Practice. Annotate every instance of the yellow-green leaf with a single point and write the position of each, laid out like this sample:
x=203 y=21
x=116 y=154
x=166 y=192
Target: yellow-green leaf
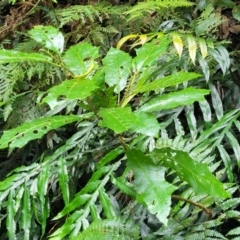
x=203 y=47
x=192 y=47
x=177 y=41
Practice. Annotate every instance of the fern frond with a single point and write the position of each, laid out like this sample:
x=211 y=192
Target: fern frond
x=110 y=229
x=143 y=8
x=78 y=12
x=235 y=231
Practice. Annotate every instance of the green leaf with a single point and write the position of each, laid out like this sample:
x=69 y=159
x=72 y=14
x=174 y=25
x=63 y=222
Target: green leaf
x=146 y=123
x=216 y=100
x=175 y=99
x=78 y=201
x=107 y=229
x=117 y=69
x=42 y=186
x=124 y=186
x=110 y=156
x=106 y=204
x=196 y=174
x=10 y=221
x=222 y=57
x=152 y=189
x=10 y=56
x=236 y=12
x=63 y=179
x=49 y=37
x=26 y=213
x=117 y=119
x=168 y=81
x=225 y=3
x=227 y=161
x=234 y=145
x=70 y=89
x=20 y=136
x=79 y=58
x=150 y=52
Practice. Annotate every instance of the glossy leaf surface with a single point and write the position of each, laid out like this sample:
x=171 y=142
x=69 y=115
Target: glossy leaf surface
x=168 y=81
x=175 y=99
x=196 y=174
x=20 y=136
x=117 y=69
x=9 y=56
x=152 y=189
x=70 y=89
x=79 y=58
x=117 y=119
x=146 y=124
x=48 y=36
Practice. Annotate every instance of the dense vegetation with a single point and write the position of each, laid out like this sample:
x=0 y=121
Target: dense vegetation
x=119 y=120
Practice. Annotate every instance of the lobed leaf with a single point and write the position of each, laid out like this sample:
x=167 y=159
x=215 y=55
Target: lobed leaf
x=48 y=36
x=20 y=136
x=150 y=52
x=146 y=124
x=117 y=65
x=79 y=58
x=10 y=56
x=117 y=119
x=195 y=173
x=150 y=185
x=70 y=89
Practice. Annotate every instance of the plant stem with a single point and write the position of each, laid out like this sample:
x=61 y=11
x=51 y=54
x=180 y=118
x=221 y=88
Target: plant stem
x=206 y=210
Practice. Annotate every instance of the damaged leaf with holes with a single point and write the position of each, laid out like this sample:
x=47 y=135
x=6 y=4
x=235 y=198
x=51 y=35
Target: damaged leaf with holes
x=20 y=136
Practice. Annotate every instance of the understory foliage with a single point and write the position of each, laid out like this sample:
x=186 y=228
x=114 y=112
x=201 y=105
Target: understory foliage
x=116 y=128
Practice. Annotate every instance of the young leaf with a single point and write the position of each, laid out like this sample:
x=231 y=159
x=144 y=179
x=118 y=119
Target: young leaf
x=195 y=173
x=203 y=47
x=79 y=58
x=117 y=119
x=177 y=41
x=192 y=47
x=175 y=99
x=49 y=37
x=117 y=69
x=20 y=136
x=152 y=189
x=171 y=80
